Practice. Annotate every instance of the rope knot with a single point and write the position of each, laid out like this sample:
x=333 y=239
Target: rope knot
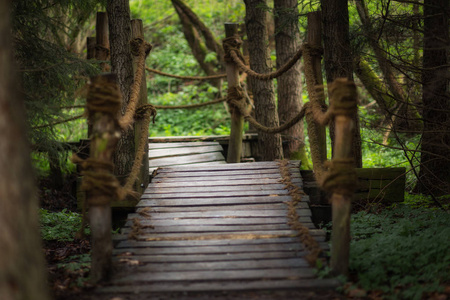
x=343 y=97
x=340 y=177
x=236 y=98
x=144 y=110
x=105 y=96
x=138 y=45
x=232 y=44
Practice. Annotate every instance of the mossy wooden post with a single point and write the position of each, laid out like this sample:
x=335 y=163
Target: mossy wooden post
x=237 y=120
x=105 y=135
x=137 y=31
x=101 y=34
x=341 y=198
x=314 y=40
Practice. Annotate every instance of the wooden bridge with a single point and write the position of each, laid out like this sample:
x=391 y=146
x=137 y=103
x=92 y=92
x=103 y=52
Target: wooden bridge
x=215 y=227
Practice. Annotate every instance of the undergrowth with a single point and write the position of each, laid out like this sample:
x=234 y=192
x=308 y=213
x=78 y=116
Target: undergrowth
x=402 y=252
x=60 y=226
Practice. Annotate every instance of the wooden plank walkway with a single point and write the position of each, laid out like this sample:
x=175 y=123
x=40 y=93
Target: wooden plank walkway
x=184 y=153
x=221 y=227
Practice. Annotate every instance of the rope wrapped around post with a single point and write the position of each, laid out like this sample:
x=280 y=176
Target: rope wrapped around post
x=102 y=107
x=340 y=174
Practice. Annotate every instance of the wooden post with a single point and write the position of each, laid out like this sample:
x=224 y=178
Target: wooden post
x=90 y=45
x=137 y=31
x=341 y=204
x=102 y=47
x=105 y=134
x=314 y=39
x=237 y=120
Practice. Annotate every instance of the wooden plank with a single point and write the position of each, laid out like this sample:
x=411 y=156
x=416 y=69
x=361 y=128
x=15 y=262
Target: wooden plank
x=201 y=243
x=215 y=222
x=166 y=152
x=155 y=146
x=171 y=173
x=232 y=167
x=212 y=257
x=217 y=236
x=228 y=214
x=232 y=219
x=188 y=209
x=179 y=233
x=216 y=194
x=223 y=275
x=219 y=201
x=218 y=177
x=284 y=284
x=209 y=228
x=207 y=189
x=227 y=250
x=229 y=265
x=188 y=159
x=231 y=182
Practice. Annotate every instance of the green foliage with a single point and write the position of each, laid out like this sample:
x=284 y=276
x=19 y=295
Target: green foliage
x=49 y=73
x=403 y=251
x=77 y=266
x=60 y=226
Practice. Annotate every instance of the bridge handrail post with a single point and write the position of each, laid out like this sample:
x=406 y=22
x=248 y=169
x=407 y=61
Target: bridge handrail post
x=237 y=120
x=341 y=179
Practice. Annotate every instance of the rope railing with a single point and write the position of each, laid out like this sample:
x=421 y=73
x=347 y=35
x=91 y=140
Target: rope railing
x=139 y=48
x=190 y=106
x=231 y=46
x=186 y=77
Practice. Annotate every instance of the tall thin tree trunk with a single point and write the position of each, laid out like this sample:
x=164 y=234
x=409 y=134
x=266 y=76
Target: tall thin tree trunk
x=22 y=265
x=435 y=158
x=287 y=42
x=337 y=55
x=122 y=65
x=269 y=145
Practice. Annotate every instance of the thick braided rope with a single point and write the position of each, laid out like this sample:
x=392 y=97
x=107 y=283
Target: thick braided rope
x=186 y=77
x=311 y=245
x=237 y=58
x=146 y=112
x=140 y=48
x=236 y=99
x=188 y=106
x=59 y=122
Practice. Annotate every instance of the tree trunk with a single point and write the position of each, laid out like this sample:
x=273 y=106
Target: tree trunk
x=287 y=42
x=22 y=265
x=122 y=65
x=435 y=158
x=269 y=145
x=337 y=55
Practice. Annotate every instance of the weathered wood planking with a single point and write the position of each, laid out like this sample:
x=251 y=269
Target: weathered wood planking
x=217 y=227
x=189 y=153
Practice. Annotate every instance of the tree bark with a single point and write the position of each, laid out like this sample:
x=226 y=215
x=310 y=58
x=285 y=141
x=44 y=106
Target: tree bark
x=287 y=42
x=338 y=57
x=435 y=158
x=122 y=65
x=22 y=264
x=269 y=145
